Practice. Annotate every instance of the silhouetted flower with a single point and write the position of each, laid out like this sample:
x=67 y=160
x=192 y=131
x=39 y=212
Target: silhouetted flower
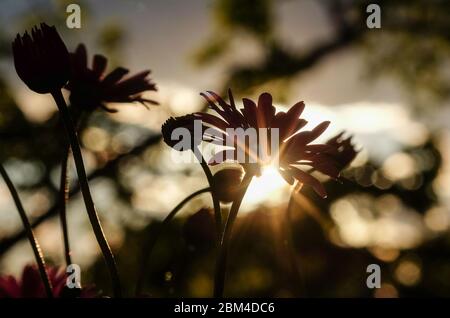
x=42 y=60
x=343 y=151
x=294 y=146
x=226 y=183
x=173 y=123
x=30 y=285
x=91 y=88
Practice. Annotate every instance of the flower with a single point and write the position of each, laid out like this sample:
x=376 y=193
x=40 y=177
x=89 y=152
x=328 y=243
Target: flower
x=343 y=151
x=226 y=183
x=91 y=88
x=187 y=123
x=41 y=60
x=295 y=150
x=30 y=285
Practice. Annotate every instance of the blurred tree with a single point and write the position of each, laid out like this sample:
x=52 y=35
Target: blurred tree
x=111 y=38
x=412 y=44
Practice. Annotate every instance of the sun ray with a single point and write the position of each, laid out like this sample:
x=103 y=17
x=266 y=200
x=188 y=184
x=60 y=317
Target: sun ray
x=265 y=189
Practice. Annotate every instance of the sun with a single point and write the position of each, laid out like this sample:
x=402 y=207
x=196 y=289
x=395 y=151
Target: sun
x=267 y=188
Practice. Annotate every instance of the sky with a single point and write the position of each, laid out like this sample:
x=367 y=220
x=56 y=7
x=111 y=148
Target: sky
x=163 y=36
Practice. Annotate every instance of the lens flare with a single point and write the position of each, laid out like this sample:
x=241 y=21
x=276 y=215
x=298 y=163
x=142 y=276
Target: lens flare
x=267 y=188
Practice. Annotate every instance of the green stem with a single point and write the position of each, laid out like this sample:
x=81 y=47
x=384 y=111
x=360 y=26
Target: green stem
x=63 y=198
x=155 y=235
x=216 y=202
x=221 y=262
x=33 y=241
x=84 y=186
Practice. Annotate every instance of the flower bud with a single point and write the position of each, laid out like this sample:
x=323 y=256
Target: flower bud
x=42 y=60
x=226 y=183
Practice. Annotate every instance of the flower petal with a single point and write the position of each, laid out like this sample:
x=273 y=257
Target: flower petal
x=32 y=285
x=99 y=65
x=308 y=179
x=9 y=287
x=250 y=112
x=266 y=111
x=80 y=57
x=116 y=75
x=212 y=120
x=305 y=137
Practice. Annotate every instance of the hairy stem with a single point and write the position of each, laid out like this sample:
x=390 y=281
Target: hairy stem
x=221 y=262
x=155 y=235
x=64 y=190
x=63 y=198
x=33 y=241
x=92 y=213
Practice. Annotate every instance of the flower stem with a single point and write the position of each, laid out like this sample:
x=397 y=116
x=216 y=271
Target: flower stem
x=92 y=213
x=33 y=241
x=216 y=203
x=221 y=262
x=64 y=190
x=63 y=198
x=155 y=235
